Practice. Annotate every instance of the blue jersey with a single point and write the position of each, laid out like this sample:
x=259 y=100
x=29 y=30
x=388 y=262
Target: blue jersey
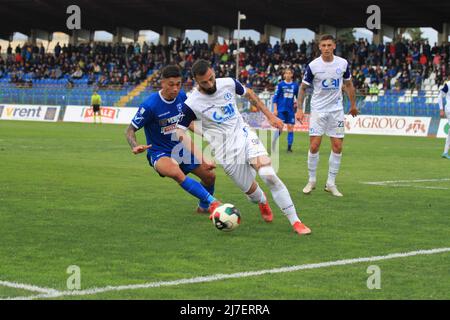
x=285 y=96
x=160 y=118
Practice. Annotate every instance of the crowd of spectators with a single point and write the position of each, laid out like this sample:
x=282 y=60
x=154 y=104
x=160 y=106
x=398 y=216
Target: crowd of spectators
x=398 y=65
x=100 y=64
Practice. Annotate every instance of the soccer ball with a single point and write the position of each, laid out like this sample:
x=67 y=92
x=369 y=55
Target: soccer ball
x=226 y=217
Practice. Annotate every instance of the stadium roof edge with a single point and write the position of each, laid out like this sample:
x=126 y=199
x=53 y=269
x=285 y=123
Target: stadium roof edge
x=50 y=15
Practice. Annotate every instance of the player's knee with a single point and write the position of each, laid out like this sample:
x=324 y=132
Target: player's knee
x=269 y=176
x=337 y=147
x=209 y=179
x=314 y=148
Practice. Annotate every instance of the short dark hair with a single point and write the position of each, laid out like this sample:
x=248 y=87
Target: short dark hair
x=326 y=37
x=171 y=71
x=200 y=67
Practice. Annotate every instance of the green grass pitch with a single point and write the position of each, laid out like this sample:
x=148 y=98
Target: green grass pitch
x=74 y=194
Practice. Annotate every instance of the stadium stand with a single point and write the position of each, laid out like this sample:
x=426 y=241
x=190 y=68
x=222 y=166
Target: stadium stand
x=400 y=78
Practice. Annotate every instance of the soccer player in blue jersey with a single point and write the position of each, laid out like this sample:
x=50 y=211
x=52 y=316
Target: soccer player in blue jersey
x=284 y=106
x=159 y=116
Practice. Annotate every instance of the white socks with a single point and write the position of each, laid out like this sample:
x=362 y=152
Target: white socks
x=313 y=161
x=279 y=192
x=447 y=143
x=257 y=196
x=334 y=164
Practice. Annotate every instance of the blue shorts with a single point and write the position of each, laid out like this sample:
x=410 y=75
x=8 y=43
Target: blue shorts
x=188 y=167
x=288 y=117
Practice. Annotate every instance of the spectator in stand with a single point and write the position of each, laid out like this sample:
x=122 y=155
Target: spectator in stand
x=78 y=74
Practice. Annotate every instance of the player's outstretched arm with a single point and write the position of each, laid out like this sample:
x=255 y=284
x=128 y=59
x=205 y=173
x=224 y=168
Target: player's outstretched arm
x=299 y=115
x=254 y=100
x=131 y=138
x=351 y=93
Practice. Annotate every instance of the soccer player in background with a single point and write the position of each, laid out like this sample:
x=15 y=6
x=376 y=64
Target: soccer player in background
x=159 y=115
x=328 y=75
x=445 y=112
x=236 y=147
x=96 y=101
x=284 y=106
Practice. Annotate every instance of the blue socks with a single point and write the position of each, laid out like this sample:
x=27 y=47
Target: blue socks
x=290 y=139
x=197 y=190
x=205 y=204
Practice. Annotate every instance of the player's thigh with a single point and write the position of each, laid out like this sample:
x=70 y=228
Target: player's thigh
x=317 y=124
x=254 y=148
x=168 y=167
x=287 y=117
x=335 y=124
x=207 y=175
x=242 y=174
x=260 y=161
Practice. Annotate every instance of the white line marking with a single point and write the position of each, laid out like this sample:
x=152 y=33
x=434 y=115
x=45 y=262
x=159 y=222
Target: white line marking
x=401 y=183
x=28 y=287
x=417 y=187
x=217 y=277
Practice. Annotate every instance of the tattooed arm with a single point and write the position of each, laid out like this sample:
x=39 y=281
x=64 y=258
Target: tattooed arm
x=131 y=138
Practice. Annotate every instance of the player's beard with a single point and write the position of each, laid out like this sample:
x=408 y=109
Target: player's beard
x=211 y=90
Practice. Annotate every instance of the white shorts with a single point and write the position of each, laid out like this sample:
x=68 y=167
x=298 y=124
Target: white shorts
x=329 y=123
x=241 y=172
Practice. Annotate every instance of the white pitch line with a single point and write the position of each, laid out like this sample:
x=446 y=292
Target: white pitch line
x=421 y=187
x=400 y=183
x=217 y=277
x=405 y=181
x=413 y=186
x=27 y=287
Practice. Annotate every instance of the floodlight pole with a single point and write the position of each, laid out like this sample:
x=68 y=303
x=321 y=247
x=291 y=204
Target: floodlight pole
x=240 y=17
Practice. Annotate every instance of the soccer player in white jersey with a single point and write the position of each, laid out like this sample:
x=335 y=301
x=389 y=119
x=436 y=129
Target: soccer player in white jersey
x=445 y=112
x=327 y=75
x=235 y=146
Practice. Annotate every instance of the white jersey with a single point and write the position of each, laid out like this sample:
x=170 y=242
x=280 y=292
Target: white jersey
x=445 y=93
x=222 y=124
x=326 y=79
